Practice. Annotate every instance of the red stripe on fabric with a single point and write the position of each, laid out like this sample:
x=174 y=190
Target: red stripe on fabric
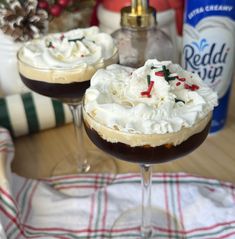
x=226 y=236
x=179 y=200
x=4 y=150
x=122 y=177
x=231 y=187
x=13 y=219
x=105 y=208
x=30 y=201
x=8 y=196
x=116 y=230
x=77 y=186
x=100 y=230
x=166 y=203
x=126 y=229
x=210 y=227
x=17 y=201
x=29 y=205
x=233 y=194
x=4 y=141
x=196 y=229
x=8 y=226
x=92 y=207
x=21 y=190
x=89 y=176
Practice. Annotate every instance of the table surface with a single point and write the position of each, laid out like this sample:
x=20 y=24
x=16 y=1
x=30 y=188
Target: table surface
x=37 y=155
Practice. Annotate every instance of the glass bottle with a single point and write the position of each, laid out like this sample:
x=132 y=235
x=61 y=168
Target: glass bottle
x=139 y=39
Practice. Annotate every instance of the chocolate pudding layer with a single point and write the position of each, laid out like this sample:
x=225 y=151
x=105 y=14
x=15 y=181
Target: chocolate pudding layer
x=64 y=92
x=147 y=154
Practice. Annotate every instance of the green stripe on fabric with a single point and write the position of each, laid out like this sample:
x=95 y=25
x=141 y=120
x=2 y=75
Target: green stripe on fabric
x=13 y=232
x=30 y=112
x=23 y=204
x=45 y=234
x=8 y=205
x=59 y=112
x=99 y=209
x=160 y=181
x=5 y=119
x=215 y=233
x=25 y=197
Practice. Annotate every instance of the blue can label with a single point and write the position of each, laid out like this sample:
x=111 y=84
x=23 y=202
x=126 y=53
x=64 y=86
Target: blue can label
x=208 y=48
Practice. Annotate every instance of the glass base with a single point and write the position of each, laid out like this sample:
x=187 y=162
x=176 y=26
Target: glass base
x=164 y=225
x=102 y=166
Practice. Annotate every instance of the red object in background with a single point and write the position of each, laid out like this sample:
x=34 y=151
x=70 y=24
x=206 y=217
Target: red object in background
x=55 y=10
x=43 y=4
x=63 y=3
x=159 y=5
x=94 y=19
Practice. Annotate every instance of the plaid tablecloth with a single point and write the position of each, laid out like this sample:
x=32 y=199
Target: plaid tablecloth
x=37 y=209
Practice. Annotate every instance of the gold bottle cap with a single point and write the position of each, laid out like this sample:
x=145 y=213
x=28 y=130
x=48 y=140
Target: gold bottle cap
x=138 y=15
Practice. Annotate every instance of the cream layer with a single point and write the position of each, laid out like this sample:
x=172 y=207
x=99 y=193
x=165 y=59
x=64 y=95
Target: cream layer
x=153 y=140
x=81 y=73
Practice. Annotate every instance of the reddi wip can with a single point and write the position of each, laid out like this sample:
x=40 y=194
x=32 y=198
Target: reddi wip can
x=208 y=48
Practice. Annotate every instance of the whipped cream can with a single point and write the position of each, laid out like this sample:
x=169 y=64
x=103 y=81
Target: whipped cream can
x=208 y=48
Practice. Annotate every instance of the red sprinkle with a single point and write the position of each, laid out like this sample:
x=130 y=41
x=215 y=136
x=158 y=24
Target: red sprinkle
x=148 y=92
x=159 y=73
x=181 y=79
x=178 y=83
x=194 y=87
x=186 y=86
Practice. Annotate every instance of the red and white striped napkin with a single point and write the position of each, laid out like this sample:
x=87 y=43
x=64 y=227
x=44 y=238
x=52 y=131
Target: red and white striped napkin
x=205 y=208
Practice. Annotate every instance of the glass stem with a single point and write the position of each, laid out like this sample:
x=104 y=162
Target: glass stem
x=146 y=184
x=82 y=163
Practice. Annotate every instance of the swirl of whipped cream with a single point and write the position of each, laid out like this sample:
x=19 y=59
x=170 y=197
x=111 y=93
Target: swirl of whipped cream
x=158 y=98
x=82 y=51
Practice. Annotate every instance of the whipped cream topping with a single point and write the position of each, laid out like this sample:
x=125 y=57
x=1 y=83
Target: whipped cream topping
x=69 y=49
x=158 y=98
x=63 y=58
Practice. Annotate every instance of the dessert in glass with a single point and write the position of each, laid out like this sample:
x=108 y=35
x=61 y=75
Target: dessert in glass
x=60 y=66
x=150 y=115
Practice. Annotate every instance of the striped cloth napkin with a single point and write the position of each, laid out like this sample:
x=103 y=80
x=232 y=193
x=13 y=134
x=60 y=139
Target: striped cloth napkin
x=37 y=209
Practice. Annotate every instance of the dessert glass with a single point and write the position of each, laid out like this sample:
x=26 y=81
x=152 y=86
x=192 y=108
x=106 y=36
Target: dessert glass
x=122 y=138
x=145 y=156
x=68 y=84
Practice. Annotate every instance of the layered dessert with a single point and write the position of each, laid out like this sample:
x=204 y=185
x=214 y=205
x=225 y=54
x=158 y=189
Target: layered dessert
x=153 y=114
x=61 y=65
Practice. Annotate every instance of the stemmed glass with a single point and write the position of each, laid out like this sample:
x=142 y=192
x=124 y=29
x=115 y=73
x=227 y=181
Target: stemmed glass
x=145 y=156
x=61 y=87
x=153 y=114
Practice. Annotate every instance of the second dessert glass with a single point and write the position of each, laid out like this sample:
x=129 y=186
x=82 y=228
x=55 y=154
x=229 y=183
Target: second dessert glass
x=68 y=84
x=169 y=120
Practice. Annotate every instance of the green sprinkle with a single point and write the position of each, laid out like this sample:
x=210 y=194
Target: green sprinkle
x=148 y=79
x=76 y=39
x=178 y=100
x=171 y=78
